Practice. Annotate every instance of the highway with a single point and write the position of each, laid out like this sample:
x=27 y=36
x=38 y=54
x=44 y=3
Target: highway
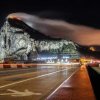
x=35 y=83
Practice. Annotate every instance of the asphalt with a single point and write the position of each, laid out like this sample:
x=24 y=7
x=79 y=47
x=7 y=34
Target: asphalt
x=35 y=84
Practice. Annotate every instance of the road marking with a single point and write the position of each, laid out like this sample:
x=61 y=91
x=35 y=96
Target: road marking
x=15 y=93
x=61 y=84
x=14 y=70
x=33 y=78
x=27 y=69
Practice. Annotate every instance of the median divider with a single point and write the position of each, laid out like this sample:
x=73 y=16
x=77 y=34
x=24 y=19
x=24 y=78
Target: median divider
x=28 y=65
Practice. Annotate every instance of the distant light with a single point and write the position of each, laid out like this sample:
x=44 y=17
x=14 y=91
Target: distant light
x=46 y=58
x=65 y=57
x=50 y=61
x=62 y=60
x=92 y=49
x=66 y=60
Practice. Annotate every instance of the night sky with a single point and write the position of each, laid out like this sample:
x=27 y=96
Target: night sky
x=75 y=11
x=83 y=12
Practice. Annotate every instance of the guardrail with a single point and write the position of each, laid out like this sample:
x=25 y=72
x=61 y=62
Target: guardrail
x=94 y=73
x=22 y=65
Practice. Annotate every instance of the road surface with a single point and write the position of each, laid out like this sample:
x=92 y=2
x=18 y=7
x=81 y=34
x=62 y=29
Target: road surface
x=33 y=84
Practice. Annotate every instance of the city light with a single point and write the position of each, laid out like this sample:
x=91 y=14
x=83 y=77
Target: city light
x=20 y=45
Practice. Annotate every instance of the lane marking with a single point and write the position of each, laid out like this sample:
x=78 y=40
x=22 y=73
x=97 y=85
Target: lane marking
x=28 y=72
x=61 y=84
x=14 y=70
x=33 y=78
x=15 y=93
x=24 y=69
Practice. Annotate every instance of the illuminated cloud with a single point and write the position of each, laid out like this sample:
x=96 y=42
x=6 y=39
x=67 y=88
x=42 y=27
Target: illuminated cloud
x=82 y=35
